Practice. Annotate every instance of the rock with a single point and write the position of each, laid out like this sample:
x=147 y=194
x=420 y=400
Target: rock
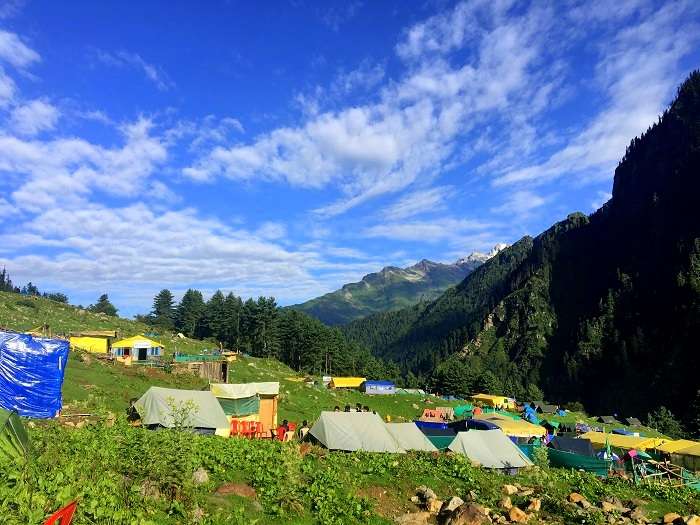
x=509 y=490
x=239 y=489
x=150 y=489
x=467 y=514
x=413 y=518
x=671 y=517
x=451 y=504
x=693 y=520
x=517 y=516
x=200 y=476
x=575 y=497
x=608 y=507
x=80 y=424
x=415 y=499
x=425 y=494
x=535 y=505
x=526 y=492
x=505 y=503
x=637 y=515
x=433 y=505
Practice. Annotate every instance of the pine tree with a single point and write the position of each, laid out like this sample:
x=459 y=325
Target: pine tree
x=103 y=306
x=190 y=313
x=215 y=317
x=163 y=313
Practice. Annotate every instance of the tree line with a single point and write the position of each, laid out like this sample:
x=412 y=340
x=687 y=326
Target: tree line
x=259 y=327
x=6 y=285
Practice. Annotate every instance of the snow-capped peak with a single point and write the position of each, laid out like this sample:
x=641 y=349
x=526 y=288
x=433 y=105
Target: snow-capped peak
x=479 y=257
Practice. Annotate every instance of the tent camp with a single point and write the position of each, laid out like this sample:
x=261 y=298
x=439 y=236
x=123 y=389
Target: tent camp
x=675 y=445
x=463 y=410
x=14 y=441
x=249 y=401
x=136 y=348
x=346 y=382
x=494 y=401
x=601 y=439
x=378 y=387
x=411 y=391
x=577 y=454
x=633 y=422
x=31 y=374
x=513 y=427
x=169 y=407
x=687 y=457
x=579 y=446
x=409 y=437
x=352 y=431
x=489 y=448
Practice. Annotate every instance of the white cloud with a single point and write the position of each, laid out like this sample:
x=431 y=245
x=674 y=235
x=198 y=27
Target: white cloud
x=15 y=52
x=430 y=231
x=520 y=204
x=9 y=8
x=638 y=72
x=123 y=58
x=419 y=202
x=7 y=88
x=34 y=117
x=272 y=230
x=602 y=198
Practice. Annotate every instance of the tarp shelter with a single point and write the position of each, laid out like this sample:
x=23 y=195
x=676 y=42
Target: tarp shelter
x=633 y=422
x=494 y=401
x=378 y=387
x=511 y=427
x=14 y=441
x=674 y=445
x=249 y=401
x=411 y=391
x=579 y=446
x=608 y=420
x=599 y=440
x=481 y=424
x=687 y=457
x=346 y=382
x=136 y=348
x=463 y=410
x=409 y=437
x=490 y=448
x=169 y=407
x=31 y=374
x=352 y=431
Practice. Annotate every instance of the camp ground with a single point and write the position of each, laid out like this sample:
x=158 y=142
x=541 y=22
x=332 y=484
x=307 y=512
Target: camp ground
x=490 y=449
x=251 y=402
x=409 y=437
x=351 y=431
x=494 y=401
x=184 y=409
x=513 y=427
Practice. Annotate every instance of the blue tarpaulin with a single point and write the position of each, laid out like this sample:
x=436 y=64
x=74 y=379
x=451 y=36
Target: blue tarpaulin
x=31 y=374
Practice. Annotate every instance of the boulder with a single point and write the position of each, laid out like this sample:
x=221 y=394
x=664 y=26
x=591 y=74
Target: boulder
x=637 y=515
x=413 y=518
x=505 y=503
x=467 y=514
x=575 y=497
x=451 y=504
x=425 y=494
x=693 y=520
x=672 y=517
x=509 y=490
x=434 y=505
x=535 y=505
x=608 y=507
x=517 y=516
x=200 y=476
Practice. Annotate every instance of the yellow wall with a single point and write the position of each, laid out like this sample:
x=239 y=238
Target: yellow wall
x=96 y=345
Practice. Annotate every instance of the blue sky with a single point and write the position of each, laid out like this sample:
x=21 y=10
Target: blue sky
x=288 y=148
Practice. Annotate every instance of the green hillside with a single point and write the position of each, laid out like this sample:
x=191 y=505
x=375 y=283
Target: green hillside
x=603 y=309
x=390 y=289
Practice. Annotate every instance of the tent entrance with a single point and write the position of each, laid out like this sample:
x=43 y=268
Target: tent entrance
x=142 y=353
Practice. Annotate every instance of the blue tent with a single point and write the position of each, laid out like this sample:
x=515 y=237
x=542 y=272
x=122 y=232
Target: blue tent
x=481 y=424
x=31 y=374
x=378 y=387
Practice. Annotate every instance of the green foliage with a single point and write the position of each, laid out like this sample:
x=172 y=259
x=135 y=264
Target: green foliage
x=103 y=306
x=664 y=421
x=163 y=312
x=540 y=457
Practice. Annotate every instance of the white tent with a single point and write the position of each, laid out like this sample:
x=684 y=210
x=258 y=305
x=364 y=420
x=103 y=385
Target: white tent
x=170 y=407
x=489 y=448
x=409 y=437
x=352 y=431
x=243 y=390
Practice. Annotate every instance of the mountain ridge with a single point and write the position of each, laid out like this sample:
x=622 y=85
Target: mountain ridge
x=391 y=288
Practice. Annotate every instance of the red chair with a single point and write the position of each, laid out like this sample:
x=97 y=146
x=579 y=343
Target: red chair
x=257 y=429
x=292 y=427
x=245 y=428
x=63 y=516
x=234 y=427
x=281 y=431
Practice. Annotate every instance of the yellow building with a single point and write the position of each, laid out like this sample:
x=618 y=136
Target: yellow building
x=137 y=348
x=346 y=382
x=95 y=341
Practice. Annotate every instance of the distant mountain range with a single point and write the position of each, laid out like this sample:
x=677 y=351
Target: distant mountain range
x=392 y=288
x=603 y=309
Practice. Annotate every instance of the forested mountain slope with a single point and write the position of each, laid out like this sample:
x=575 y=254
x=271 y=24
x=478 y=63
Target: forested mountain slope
x=604 y=309
x=391 y=288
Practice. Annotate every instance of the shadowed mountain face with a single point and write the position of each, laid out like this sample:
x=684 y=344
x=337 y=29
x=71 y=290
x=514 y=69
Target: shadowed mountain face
x=603 y=308
x=391 y=288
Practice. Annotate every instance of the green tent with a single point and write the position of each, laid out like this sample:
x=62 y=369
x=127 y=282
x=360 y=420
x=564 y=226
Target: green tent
x=464 y=410
x=14 y=441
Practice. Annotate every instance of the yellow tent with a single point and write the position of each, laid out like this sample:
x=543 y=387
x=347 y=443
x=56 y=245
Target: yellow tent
x=674 y=446
x=623 y=442
x=693 y=450
x=494 y=401
x=513 y=427
x=346 y=382
x=95 y=345
x=137 y=341
x=687 y=457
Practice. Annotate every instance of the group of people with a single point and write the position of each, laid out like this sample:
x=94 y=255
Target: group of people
x=358 y=408
x=288 y=431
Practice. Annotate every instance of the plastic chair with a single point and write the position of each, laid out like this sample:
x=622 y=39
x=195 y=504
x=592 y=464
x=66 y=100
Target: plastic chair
x=292 y=426
x=63 y=516
x=234 y=427
x=245 y=428
x=257 y=429
x=288 y=435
